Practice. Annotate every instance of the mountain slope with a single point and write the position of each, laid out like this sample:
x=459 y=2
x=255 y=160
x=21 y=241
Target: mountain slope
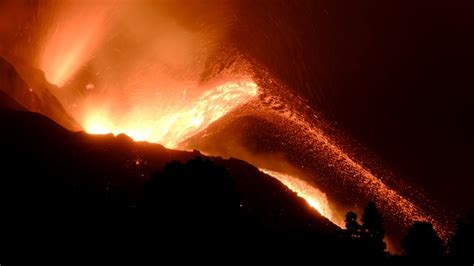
x=49 y=170
x=33 y=92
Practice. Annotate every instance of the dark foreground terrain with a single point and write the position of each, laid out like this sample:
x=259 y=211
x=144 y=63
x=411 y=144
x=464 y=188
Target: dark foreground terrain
x=56 y=183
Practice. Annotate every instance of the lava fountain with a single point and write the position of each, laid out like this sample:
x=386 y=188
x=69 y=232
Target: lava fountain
x=123 y=69
x=74 y=32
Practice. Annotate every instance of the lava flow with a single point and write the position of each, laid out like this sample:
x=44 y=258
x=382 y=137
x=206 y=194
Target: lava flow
x=169 y=127
x=313 y=196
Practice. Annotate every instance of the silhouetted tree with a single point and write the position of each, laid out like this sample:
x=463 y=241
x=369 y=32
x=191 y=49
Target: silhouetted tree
x=422 y=241
x=461 y=244
x=373 y=231
x=366 y=240
x=352 y=225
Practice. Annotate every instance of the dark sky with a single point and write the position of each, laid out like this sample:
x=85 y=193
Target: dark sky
x=396 y=75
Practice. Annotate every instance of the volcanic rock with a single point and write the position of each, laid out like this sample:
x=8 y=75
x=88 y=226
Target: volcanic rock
x=33 y=92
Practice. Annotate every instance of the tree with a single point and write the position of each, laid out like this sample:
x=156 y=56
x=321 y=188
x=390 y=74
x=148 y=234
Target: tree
x=422 y=241
x=461 y=244
x=352 y=226
x=373 y=231
x=366 y=240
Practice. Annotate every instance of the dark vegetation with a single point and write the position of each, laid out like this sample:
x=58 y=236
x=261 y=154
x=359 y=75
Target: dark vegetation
x=421 y=241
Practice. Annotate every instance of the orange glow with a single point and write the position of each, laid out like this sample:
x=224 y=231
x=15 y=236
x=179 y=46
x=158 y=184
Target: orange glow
x=145 y=82
x=75 y=32
x=171 y=125
x=313 y=196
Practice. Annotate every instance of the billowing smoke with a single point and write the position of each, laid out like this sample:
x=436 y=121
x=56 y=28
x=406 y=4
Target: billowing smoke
x=144 y=68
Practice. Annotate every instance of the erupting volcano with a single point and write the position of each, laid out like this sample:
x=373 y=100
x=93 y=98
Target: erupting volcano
x=169 y=112
x=159 y=75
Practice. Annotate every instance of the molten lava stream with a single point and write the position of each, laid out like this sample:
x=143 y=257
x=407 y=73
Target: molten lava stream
x=151 y=123
x=313 y=196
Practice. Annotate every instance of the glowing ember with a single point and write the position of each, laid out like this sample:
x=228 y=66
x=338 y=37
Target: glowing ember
x=169 y=127
x=312 y=195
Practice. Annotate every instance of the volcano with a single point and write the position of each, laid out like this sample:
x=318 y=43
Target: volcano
x=230 y=134
x=225 y=121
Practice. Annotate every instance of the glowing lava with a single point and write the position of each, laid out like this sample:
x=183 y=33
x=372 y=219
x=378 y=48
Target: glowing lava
x=313 y=196
x=154 y=123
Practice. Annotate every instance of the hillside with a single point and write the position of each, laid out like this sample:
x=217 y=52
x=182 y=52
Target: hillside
x=55 y=173
x=33 y=92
